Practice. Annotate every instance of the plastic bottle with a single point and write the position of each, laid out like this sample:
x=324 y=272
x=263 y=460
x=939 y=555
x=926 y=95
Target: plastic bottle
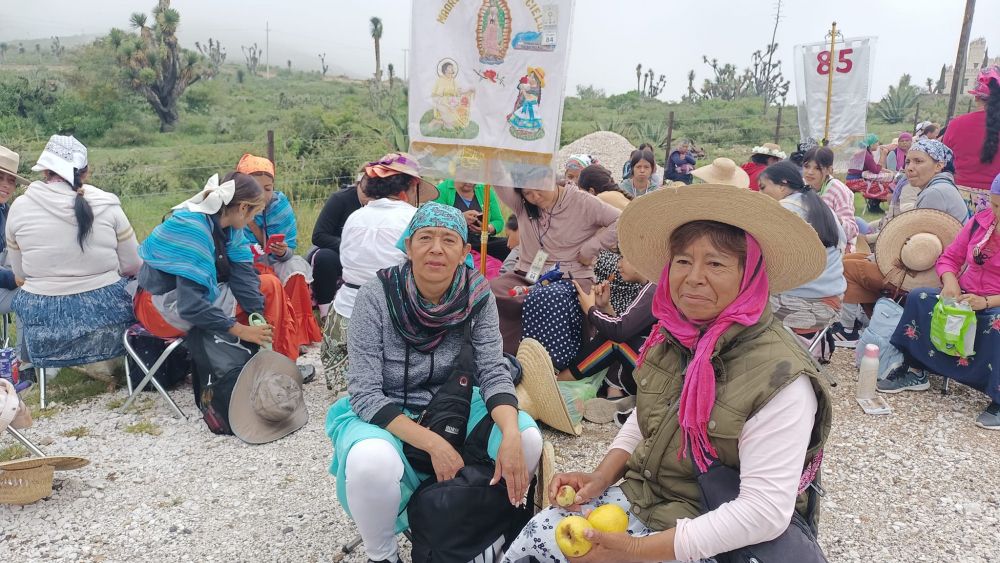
x=868 y=373
x=519 y=290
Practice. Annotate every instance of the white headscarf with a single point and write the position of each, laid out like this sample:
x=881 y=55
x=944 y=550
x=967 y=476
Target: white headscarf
x=212 y=198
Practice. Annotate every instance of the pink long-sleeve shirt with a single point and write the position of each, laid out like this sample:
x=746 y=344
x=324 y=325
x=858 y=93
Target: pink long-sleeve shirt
x=841 y=200
x=964 y=136
x=577 y=227
x=772 y=449
x=980 y=280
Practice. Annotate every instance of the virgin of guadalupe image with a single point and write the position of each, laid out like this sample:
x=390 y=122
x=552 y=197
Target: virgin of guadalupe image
x=493 y=31
x=450 y=116
x=525 y=121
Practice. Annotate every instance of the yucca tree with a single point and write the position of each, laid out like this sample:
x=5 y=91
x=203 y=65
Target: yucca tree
x=898 y=104
x=638 y=78
x=375 y=28
x=154 y=64
x=3 y=51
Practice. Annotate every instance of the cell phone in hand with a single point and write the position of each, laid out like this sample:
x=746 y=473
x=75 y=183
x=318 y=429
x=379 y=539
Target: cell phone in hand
x=271 y=240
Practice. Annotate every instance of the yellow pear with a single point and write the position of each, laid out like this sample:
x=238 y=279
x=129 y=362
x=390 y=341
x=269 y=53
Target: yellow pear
x=570 y=538
x=609 y=518
x=566 y=496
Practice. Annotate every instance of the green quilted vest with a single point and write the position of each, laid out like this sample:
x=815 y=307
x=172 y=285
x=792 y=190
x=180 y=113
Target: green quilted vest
x=751 y=365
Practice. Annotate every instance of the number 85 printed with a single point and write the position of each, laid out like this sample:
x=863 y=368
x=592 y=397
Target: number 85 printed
x=844 y=63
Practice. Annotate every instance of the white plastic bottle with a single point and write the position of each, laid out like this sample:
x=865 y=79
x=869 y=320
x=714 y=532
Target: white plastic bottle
x=867 y=396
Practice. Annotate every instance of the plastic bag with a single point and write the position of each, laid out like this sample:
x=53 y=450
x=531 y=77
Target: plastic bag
x=953 y=328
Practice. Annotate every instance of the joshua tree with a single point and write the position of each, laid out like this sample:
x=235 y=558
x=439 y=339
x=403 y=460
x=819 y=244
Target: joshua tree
x=289 y=65
x=3 y=51
x=392 y=74
x=939 y=87
x=322 y=63
x=376 y=31
x=930 y=85
x=20 y=48
x=638 y=78
x=252 y=54
x=214 y=52
x=57 y=49
x=154 y=64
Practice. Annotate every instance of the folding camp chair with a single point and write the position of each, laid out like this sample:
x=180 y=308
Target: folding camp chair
x=815 y=341
x=148 y=371
x=8 y=320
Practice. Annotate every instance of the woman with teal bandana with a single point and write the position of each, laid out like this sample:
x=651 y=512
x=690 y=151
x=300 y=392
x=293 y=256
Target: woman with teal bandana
x=406 y=334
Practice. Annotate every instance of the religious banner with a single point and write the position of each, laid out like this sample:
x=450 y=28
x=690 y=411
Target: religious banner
x=850 y=67
x=487 y=81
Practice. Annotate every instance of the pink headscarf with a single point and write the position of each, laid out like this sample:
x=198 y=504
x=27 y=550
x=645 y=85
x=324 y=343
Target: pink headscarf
x=698 y=393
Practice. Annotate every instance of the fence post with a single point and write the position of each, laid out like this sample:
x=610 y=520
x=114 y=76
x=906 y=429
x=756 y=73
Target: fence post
x=916 y=116
x=270 y=145
x=777 y=127
x=670 y=138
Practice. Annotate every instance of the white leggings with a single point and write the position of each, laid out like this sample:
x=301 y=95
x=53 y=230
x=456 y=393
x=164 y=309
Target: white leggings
x=374 y=470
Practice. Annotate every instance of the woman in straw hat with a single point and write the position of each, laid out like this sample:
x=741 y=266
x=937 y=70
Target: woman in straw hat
x=279 y=258
x=812 y=306
x=926 y=172
x=408 y=320
x=394 y=189
x=723 y=171
x=970 y=270
x=9 y=180
x=71 y=248
x=719 y=379
x=762 y=157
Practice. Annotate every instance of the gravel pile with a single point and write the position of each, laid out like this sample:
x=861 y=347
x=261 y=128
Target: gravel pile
x=922 y=484
x=610 y=149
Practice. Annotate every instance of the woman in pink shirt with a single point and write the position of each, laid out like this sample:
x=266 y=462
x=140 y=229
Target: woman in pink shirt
x=817 y=171
x=970 y=270
x=719 y=381
x=974 y=138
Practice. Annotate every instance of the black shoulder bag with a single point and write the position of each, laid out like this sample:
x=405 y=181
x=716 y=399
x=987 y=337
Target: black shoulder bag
x=797 y=544
x=447 y=415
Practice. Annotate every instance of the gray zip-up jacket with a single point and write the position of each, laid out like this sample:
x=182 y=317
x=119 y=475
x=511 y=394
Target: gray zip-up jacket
x=375 y=376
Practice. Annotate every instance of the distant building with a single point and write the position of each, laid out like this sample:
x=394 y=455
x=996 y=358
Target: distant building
x=977 y=58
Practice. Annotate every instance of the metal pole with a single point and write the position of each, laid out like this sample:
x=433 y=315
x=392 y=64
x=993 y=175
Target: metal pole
x=777 y=128
x=270 y=145
x=963 y=51
x=670 y=138
x=829 y=81
x=484 y=236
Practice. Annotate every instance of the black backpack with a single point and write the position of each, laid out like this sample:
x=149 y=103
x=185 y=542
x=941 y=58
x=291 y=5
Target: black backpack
x=465 y=519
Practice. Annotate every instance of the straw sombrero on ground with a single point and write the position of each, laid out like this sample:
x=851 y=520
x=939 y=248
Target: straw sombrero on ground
x=546 y=471
x=538 y=393
x=911 y=243
x=723 y=171
x=791 y=248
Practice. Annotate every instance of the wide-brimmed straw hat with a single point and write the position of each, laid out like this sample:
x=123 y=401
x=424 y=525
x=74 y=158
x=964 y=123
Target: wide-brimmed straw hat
x=770 y=149
x=267 y=402
x=911 y=243
x=791 y=247
x=538 y=393
x=25 y=486
x=407 y=164
x=9 y=161
x=723 y=171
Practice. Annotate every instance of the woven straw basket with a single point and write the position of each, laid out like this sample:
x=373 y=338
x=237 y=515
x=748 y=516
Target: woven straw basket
x=25 y=486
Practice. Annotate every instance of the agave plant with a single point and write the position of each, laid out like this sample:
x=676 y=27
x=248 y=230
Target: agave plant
x=898 y=104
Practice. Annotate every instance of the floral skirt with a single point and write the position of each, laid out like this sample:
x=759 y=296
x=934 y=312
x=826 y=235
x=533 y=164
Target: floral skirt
x=980 y=371
x=73 y=330
x=537 y=541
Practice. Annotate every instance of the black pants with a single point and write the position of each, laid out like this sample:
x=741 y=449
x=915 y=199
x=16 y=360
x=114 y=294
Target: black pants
x=618 y=357
x=495 y=247
x=326 y=274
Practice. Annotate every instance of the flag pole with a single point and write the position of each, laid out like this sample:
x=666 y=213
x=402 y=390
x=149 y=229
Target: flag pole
x=829 y=82
x=485 y=224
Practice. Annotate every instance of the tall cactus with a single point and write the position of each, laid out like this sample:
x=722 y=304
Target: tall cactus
x=154 y=63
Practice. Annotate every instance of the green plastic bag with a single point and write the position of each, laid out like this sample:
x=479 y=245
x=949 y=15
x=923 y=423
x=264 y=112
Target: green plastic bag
x=953 y=328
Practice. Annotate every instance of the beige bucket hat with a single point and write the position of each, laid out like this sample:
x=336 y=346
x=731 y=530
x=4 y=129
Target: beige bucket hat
x=267 y=402
x=538 y=393
x=791 y=247
x=9 y=162
x=911 y=243
x=723 y=171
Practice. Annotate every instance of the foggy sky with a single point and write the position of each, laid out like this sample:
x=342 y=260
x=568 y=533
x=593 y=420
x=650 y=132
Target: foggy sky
x=609 y=37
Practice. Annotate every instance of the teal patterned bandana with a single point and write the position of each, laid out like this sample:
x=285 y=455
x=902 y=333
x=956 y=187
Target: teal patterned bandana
x=435 y=215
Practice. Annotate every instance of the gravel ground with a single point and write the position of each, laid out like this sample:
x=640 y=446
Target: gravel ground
x=919 y=485
x=610 y=149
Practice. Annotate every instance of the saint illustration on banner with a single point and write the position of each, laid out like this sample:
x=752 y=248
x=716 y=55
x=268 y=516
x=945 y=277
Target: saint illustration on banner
x=493 y=31
x=450 y=117
x=525 y=121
